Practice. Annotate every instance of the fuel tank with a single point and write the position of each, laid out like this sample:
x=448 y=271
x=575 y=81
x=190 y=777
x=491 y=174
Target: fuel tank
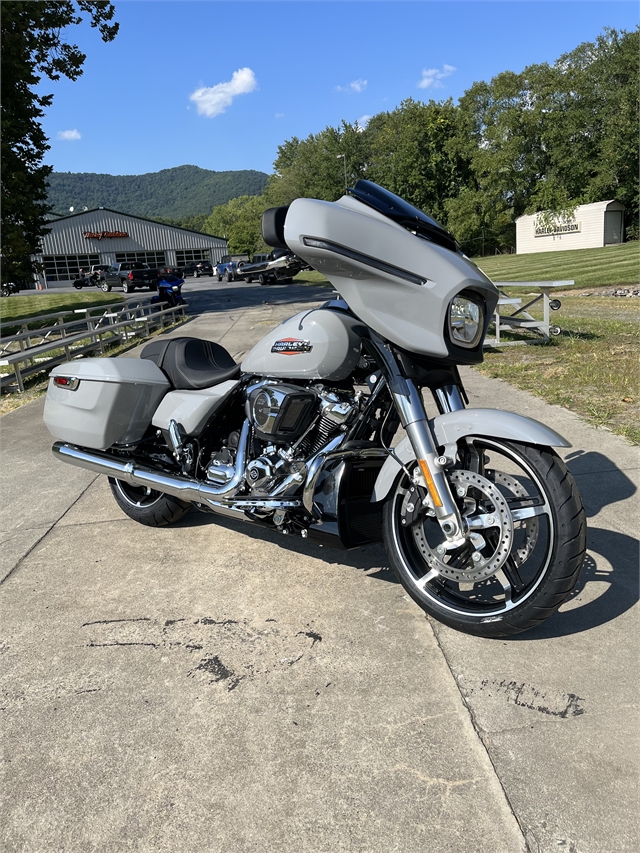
x=318 y=344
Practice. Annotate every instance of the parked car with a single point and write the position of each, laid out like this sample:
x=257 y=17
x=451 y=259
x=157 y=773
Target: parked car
x=130 y=275
x=8 y=288
x=198 y=268
x=227 y=266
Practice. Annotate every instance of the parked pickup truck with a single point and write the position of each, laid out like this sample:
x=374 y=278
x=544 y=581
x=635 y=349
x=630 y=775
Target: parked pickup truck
x=279 y=265
x=227 y=266
x=130 y=275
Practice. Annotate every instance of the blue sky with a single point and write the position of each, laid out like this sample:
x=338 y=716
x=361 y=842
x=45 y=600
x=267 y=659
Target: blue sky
x=221 y=84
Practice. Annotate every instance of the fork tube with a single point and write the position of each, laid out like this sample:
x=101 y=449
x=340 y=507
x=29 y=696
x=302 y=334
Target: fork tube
x=408 y=402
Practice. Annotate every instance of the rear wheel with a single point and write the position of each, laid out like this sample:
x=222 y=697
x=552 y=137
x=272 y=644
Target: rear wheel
x=126 y=287
x=525 y=549
x=147 y=506
x=228 y=277
x=262 y=279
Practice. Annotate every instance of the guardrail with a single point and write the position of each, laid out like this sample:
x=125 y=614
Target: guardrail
x=37 y=348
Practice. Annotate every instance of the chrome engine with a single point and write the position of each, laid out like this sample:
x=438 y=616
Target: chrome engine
x=290 y=425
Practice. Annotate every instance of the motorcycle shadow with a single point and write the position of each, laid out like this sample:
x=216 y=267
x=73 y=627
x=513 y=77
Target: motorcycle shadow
x=608 y=584
x=371 y=559
x=607 y=587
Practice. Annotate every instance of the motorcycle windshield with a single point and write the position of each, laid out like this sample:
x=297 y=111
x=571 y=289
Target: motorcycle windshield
x=403 y=213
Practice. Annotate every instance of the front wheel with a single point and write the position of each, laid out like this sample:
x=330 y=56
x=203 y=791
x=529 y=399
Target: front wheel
x=525 y=547
x=147 y=506
x=106 y=288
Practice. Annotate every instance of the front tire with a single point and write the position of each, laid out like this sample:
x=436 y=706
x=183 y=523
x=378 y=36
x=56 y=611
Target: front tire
x=527 y=543
x=147 y=506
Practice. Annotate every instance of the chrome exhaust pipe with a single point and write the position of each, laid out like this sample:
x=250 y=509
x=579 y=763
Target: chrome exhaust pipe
x=179 y=486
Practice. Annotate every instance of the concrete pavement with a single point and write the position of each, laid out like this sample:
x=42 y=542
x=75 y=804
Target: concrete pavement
x=215 y=687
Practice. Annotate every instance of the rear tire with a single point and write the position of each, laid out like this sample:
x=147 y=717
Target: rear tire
x=262 y=279
x=146 y=506
x=534 y=514
x=228 y=277
x=126 y=287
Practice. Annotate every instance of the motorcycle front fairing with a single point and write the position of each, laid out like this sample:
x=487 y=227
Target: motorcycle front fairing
x=398 y=283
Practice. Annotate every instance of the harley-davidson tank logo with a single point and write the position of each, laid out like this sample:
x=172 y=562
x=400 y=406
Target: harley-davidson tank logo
x=291 y=346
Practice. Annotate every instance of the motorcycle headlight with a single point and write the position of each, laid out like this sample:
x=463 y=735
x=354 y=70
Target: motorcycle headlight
x=175 y=289
x=466 y=321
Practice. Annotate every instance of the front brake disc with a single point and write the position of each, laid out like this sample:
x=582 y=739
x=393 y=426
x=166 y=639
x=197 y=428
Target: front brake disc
x=529 y=526
x=481 y=498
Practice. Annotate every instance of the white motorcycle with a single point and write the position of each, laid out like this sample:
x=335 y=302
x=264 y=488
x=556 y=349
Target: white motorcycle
x=481 y=520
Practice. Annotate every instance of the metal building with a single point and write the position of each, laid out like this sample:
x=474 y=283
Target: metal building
x=106 y=236
x=591 y=227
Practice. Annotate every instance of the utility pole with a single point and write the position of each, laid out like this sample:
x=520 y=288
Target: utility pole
x=343 y=157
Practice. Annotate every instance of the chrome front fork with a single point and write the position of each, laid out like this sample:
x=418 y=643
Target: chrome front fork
x=410 y=408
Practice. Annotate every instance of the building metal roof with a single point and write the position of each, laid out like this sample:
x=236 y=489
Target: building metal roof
x=103 y=229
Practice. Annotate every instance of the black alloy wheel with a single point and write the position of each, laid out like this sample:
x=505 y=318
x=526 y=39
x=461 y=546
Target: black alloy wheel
x=147 y=506
x=525 y=549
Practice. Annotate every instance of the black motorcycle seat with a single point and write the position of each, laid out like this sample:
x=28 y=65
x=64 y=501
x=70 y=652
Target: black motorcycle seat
x=191 y=364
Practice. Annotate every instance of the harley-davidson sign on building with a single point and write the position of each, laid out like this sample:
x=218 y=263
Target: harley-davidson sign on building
x=591 y=227
x=105 y=236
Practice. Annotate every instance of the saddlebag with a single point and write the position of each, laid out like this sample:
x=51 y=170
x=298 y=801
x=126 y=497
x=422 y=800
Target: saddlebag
x=99 y=402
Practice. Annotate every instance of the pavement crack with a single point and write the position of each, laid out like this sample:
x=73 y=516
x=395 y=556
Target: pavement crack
x=47 y=532
x=111 y=621
x=525 y=833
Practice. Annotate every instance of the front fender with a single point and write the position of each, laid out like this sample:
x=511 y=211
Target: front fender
x=452 y=426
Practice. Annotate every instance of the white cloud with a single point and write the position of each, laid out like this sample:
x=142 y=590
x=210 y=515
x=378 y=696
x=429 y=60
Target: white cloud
x=279 y=115
x=213 y=100
x=431 y=77
x=68 y=134
x=362 y=122
x=355 y=86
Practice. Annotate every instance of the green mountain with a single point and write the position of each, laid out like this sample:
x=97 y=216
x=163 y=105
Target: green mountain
x=171 y=193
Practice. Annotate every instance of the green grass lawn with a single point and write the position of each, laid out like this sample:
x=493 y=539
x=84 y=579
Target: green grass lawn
x=24 y=307
x=612 y=265
x=592 y=367
x=311 y=277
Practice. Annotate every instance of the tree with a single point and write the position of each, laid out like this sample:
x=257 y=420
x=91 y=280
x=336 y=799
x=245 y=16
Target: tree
x=240 y=222
x=32 y=47
x=412 y=151
x=314 y=168
x=550 y=138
